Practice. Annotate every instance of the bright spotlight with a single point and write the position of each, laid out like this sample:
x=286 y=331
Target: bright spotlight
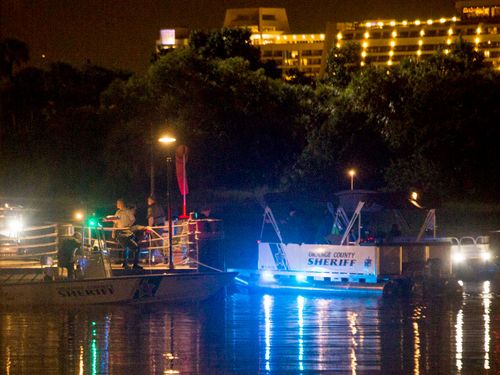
x=15 y=226
x=458 y=257
x=267 y=276
x=78 y=215
x=301 y=278
x=485 y=255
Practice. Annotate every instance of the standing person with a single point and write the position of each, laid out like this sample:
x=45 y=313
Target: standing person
x=66 y=253
x=124 y=218
x=156 y=218
x=156 y=215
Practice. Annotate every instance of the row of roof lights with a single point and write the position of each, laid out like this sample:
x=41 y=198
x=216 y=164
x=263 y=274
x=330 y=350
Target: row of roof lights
x=392 y=43
x=304 y=36
x=394 y=33
x=406 y=23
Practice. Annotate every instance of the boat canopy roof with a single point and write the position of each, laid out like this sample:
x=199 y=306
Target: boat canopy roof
x=375 y=201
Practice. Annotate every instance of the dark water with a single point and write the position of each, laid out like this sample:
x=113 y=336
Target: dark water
x=250 y=334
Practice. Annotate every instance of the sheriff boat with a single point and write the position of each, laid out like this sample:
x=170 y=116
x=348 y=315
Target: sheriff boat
x=29 y=273
x=356 y=262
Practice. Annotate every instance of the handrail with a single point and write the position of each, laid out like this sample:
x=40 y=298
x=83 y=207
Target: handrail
x=186 y=236
x=36 y=237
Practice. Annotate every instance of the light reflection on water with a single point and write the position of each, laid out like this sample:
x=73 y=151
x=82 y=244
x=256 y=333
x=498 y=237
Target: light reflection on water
x=252 y=334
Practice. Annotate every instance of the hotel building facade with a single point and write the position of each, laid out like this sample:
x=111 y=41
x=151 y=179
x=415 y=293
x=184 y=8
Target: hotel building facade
x=387 y=42
x=382 y=42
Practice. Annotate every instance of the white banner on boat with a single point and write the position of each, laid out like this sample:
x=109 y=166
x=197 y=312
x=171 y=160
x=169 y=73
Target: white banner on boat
x=359 y=260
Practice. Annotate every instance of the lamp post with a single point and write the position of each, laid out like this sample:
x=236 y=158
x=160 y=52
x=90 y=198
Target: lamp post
x=168 y=140
x=352 y=173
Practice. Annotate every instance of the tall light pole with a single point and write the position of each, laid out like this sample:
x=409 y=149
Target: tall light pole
x=352 y=173
x=151 y=162
x=169 y=140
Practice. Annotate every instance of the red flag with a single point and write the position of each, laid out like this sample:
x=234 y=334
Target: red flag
x=180 y=169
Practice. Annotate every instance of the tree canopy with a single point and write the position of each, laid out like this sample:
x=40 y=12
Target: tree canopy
x=426 y=124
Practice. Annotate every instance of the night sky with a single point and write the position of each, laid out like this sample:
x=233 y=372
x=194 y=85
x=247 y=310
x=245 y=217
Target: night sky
x=122 y=33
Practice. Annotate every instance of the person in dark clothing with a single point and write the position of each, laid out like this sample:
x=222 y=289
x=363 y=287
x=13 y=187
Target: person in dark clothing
x=393 y=233
x=66 y=253
x=156 y=215
x=294 y=226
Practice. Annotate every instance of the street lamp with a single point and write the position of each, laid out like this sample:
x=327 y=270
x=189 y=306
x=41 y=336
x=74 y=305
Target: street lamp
x=352 y=173
x=166 y=139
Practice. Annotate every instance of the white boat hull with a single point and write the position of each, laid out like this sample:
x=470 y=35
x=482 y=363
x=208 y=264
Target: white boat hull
x=126 y=289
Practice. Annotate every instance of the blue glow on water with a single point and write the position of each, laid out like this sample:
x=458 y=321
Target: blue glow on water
x=268 y=303
x=300 y=305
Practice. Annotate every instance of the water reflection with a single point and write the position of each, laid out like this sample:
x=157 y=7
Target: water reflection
x=260 y=334
x=486 y=299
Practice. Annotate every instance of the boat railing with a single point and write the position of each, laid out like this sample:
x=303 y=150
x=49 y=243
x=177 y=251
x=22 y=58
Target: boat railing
x=30 y=243
x=154 y=241
x=38 y=246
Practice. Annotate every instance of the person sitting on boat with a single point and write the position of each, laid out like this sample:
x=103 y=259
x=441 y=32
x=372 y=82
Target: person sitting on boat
x=122 y=220
x=66 y=253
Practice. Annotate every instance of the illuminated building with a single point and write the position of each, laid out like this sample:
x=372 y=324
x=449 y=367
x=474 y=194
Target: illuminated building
x=387 y=42
x=172 y=38
x=271 y=34
x=382 y=42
